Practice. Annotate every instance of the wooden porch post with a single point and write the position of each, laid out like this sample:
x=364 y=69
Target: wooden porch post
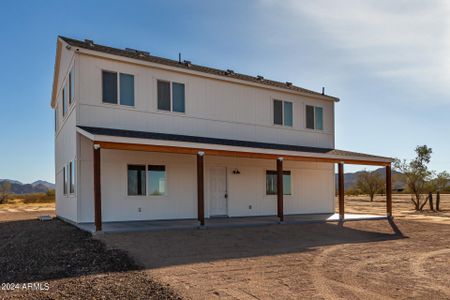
x=97 y=190
x=200 y=188
x=341 y=191
x=388 y=191
x=280 y=189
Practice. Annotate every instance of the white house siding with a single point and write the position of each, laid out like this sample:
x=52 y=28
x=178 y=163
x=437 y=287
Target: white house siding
x=214 y=108
x=312 y=187
x=65 y=141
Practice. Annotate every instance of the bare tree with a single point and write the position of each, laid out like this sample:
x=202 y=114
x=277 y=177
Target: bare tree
x=370 y=183
x=417 y=174
x=5 y=190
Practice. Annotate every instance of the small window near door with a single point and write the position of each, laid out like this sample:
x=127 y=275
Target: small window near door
x=271 y=182
x=156 y=180
x=136 y=180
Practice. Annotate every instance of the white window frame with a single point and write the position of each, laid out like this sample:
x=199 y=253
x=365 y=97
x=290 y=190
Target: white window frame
x=171 y=96
x=282 y=113
x=315 y=129
x=147 y=195
x=118 y=89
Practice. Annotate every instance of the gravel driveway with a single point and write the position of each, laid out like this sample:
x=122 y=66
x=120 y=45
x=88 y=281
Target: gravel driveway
x=363 y=260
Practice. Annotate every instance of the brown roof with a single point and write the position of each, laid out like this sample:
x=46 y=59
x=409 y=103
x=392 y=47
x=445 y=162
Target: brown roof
x=145 y=56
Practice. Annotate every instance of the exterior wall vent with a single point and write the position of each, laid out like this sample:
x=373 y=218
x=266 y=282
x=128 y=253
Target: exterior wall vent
x=187 y=63
x=259 y=77
x=289 y=84
x=229 y=72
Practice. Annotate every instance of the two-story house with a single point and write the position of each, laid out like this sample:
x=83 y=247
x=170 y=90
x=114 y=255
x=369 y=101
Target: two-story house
x=140 y=137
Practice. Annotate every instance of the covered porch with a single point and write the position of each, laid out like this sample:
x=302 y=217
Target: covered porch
x=114 y=139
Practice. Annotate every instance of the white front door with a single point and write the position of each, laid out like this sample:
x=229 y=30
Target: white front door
x=218 y=191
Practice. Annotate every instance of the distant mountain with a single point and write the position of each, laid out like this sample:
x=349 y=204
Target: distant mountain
x=350 y=179
x=47 y=184
x=39 y=186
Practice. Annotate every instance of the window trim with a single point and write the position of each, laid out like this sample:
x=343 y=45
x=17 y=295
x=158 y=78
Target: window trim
x=282 y=113
x=127 y=187
x=118 y=89
x=274 y=171
x=148 y=178
x=315 y=107
x=171 y=111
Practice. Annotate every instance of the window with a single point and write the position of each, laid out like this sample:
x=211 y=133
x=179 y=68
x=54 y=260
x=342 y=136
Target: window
x=72 y=177
x=136 y=180
x=156 y=180
x=282 y=113
x=109 y=81
x=71 y=86
x=56 y=118
x=63 y=100
x=65 y=180
x=126 y=89
x=174 y=101
x=271 y=182
x=314 y=117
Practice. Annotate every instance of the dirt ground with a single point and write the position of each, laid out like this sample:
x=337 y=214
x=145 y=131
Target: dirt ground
x=402 y=208
x=407 y=259
x=65 y=263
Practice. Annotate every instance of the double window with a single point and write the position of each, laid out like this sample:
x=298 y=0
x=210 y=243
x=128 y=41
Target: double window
x=314 y=117
x=141 y=180
x=282 y=113
x=171 y=96
x=118 y=88
x=271 y=182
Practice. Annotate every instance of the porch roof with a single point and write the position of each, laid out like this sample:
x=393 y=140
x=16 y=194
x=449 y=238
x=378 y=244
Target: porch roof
x=109 y=138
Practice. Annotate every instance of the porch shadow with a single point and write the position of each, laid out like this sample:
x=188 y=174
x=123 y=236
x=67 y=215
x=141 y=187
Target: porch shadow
x=157 y=249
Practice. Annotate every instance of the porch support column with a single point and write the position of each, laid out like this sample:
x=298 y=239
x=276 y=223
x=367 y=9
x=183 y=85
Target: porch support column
x=341 y=191
x=97 y=189
x=200 y=188
x=280 y=189
x=388 y=191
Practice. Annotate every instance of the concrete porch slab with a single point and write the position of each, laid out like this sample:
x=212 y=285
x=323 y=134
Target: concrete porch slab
x=159 y=225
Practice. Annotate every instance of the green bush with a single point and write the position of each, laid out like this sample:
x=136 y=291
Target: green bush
x=36 y=197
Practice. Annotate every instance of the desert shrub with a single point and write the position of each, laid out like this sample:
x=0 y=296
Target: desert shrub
x=37 y=197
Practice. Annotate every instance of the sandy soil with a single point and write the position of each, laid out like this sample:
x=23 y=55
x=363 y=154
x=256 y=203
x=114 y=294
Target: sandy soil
x=362 y=260
x=401 y=206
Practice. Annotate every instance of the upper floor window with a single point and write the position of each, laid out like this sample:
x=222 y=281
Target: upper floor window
x=314 y=117
x=71 y=86
x=64 y=101
x=282 y=113
x=171 y=96
x=115 y=92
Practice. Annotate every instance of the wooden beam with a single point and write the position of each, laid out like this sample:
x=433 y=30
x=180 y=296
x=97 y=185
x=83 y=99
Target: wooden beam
x=388 y=191
x=341 y=190
x=200 y=188
x=280 y=189
x=194 y=151
x=97 y=190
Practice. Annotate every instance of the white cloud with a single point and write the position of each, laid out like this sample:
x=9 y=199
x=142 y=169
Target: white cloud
x=407 y=42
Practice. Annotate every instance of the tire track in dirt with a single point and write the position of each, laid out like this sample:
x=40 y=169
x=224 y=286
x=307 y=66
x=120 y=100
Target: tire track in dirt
x=418 y=269
x=323 y=285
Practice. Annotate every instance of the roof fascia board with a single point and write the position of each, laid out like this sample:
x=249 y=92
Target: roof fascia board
x=99 y=54
x=56 y=71
x=155 y=142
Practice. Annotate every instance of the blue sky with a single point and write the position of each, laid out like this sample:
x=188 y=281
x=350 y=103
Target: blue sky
x=387 y=61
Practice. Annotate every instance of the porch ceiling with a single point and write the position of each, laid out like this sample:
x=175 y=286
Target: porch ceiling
x=120 y=139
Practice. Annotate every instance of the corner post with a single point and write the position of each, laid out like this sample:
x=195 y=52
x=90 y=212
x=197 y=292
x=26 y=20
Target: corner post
x=280 y=189
x=388 y=191
x=200 y=188
x=97 y=189
x=341 y=191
